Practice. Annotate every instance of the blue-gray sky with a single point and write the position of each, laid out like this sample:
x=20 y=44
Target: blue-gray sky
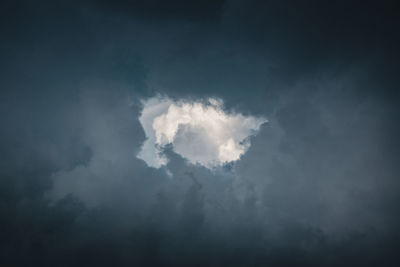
x=316 y=185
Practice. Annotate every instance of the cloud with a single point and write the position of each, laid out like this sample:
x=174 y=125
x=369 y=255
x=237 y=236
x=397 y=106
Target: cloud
x=202 y=132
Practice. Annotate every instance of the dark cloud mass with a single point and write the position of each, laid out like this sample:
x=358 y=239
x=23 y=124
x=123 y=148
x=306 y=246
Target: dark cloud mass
x=319 y=185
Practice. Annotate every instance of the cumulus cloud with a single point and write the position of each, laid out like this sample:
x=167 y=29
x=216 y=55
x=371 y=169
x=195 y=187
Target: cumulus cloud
x=202 y=132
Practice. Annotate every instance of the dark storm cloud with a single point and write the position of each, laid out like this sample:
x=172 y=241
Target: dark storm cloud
x=318 y=187
x=158 y=9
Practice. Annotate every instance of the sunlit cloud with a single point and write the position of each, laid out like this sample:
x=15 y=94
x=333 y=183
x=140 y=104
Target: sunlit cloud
x=200 y=131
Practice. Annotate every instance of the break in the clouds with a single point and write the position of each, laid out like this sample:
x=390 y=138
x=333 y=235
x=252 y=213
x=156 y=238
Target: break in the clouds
x=202 y=132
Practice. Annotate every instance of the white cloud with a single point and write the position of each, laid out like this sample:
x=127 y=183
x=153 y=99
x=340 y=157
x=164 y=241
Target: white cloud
x=200 y=132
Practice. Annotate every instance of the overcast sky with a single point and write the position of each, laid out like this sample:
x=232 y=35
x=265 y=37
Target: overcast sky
x=199 y=133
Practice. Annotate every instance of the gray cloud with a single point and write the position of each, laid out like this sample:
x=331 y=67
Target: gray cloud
x=317 y=187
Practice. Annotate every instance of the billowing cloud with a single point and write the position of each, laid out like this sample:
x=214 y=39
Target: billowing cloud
x=202 y=132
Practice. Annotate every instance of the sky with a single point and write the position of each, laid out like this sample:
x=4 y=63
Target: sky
x=199 y=133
